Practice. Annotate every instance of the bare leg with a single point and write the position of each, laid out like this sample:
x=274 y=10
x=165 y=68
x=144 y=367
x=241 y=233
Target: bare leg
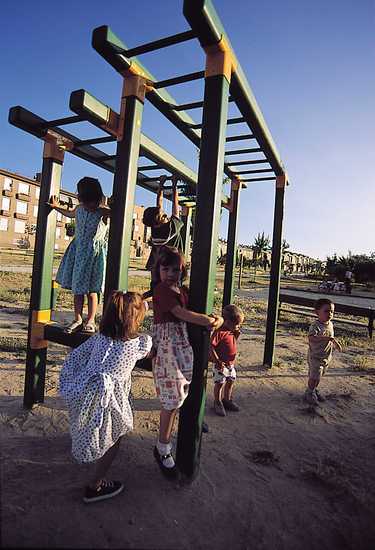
x=78 y=306
x=218 y=390
x=92 y=299
x=166 y=425
x=103 y=464
x=228 y=390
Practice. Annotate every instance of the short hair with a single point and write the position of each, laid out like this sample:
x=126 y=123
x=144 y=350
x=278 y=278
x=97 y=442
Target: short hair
x=233 y=313
x=89 y=190
x=322 y=302
x=167 y=256
x=150 y=216
x=123 y=315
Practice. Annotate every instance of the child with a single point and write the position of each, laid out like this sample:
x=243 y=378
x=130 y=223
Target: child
x=83 y=265
x=173 y=361
x=95 y=382
x=223 y=352
x=321 y=345
x=164 y=230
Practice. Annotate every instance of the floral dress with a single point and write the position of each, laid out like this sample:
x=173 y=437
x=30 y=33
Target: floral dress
x=95 y=382
x=83 y=265
x=173 y=362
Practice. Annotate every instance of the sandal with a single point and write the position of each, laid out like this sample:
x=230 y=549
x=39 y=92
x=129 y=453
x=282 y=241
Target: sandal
x=73 y=327
x=89 y=328
x=170 y=473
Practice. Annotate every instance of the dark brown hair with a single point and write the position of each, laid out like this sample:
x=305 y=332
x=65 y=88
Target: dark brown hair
x=322 y=302
x=123 y=315
x=151 y=216
x=89 y=190
x=169 y=256
x=233 y=313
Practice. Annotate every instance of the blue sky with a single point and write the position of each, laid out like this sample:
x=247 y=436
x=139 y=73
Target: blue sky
x=311 y=68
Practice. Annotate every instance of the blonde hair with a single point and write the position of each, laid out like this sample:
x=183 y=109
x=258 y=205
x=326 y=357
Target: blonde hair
x=123 y=315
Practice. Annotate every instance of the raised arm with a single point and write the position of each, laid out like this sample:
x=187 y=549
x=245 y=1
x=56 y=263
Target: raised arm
x=175 y=204
x=159 y=197
x=55 y=205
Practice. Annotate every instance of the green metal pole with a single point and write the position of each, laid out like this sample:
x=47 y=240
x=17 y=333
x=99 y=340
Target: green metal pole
x=124 y=184
x=230 y=262
x=186 y=231
x=274 y=288
x=41 y=285
x=204 y=257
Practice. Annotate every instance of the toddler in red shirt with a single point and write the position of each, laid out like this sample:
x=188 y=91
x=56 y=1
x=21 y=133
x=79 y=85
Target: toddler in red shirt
x=223 y=352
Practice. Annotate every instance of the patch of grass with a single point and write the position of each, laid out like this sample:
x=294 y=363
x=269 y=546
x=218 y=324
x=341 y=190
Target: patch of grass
x=363 y=364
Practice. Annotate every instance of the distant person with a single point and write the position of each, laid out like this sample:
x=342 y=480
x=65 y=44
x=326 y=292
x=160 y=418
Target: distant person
x=321 y=345
x=165 y=231
x=223 y=354
x=83 y=265
x=173 y=360
x=348 y=281
x=95 y=383
x=138 y=248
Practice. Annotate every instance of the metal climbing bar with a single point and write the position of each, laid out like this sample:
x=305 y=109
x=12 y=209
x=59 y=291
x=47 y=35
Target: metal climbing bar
x=186 y=106
x=150 y=167
x=244 y=162
x=95 y=141
x=240 y=138
x=60 y=122
x=262 y=171
x=161 y=43
x=259 y=179
x=179 y=80
x=243 y=151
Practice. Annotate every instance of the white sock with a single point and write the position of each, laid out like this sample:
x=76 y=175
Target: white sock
x=164 y=449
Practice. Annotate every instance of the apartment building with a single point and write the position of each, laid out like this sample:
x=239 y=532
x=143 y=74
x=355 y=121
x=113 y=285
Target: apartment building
x=19 y=198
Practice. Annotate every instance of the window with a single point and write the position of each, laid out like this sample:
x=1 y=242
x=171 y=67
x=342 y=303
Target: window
x=35 y=212
x=21 y=207
x=56 y=246
x=37 y=192
x=19 y=226
x=58 y=233
x=66 y=237
x=23 y=188
x=3 y=224
x=5 y=205
x=59 y=216
x=7 y=184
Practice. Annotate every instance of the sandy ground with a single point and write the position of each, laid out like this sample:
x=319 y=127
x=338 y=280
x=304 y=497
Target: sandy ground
x=276 y=476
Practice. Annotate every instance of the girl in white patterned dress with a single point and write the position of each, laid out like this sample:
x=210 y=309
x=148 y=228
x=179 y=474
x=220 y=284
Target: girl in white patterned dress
x=173 y=361
x=95 y=382
x=83 y=265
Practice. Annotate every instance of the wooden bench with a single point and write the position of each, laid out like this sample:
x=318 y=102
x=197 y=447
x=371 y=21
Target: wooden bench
x=307 y=309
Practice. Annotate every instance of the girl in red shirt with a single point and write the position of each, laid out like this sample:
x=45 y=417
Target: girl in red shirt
x=173 y=361
x=224 y=351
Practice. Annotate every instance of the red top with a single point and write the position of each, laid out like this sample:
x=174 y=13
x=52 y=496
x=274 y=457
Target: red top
x=224 y=343
x=164 y=299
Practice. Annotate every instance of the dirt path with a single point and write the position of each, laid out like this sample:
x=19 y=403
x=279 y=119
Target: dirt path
x=275 y=476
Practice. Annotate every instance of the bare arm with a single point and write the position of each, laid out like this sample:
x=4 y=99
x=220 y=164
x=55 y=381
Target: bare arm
x=175 y=205
x=326 y=339
x=54 y=204
x=159 y=197
x=209 y=321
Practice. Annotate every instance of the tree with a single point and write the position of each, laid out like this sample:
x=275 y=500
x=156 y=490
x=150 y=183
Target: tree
x=262 y=244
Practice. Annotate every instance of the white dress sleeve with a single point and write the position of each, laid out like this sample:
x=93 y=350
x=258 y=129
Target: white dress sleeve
x=145 y=345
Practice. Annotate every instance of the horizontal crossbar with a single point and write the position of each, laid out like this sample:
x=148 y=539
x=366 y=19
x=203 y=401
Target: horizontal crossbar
x=158 y=44
x=260 y=179
x=243 y=151
x=240 y=138
x=60 y=122
x=255 y=171
x=94 y=141
x=179 y=80
x=150 y=167
x=243 y=162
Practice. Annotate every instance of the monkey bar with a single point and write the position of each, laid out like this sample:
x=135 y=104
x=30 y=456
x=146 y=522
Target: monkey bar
x=224 y=82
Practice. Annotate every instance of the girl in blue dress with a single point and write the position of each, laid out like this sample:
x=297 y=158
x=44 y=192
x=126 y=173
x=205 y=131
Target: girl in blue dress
x=83 y=265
